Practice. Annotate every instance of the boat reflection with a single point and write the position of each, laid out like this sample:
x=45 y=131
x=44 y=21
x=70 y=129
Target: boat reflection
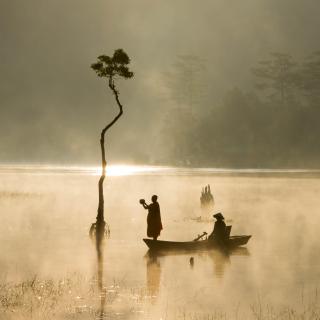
x=222 y=258
x=219 y=258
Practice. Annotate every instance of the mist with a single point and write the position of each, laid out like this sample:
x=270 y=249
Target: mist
x=52 y=106
x=224 y=93
x=48 y=263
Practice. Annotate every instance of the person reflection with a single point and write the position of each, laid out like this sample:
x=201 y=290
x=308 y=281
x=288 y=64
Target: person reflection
x=153 y=273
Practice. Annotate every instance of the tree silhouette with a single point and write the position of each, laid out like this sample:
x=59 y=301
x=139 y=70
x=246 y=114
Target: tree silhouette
x=109 y=68
x=185 y=80
x=277 y=74
x=310 y=79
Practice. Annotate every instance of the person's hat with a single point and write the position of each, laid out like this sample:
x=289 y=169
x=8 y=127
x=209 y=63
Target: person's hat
x=218 y=215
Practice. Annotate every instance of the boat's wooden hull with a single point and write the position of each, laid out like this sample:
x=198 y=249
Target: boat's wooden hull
x=233 y=241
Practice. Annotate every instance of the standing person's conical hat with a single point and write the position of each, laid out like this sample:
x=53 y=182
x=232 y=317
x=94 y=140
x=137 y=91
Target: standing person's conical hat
x=218 y=215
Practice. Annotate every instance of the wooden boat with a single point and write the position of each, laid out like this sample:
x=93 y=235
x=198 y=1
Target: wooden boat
x=232 y=242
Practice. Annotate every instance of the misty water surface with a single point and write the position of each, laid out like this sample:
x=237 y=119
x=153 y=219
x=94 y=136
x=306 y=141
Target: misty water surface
x=46 y=214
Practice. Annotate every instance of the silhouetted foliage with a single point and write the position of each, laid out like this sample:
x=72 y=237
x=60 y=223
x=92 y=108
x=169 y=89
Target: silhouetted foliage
x=277 y=74
x=110 y=67
x=185 y=80
x=310 y=78
x=179 y=131
x=250 y=129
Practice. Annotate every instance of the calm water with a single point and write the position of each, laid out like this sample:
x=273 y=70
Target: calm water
x=46 y=214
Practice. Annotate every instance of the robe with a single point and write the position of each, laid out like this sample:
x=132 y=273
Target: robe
x=154 y=220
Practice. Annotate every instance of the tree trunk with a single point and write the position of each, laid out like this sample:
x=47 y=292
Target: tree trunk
x=100 y=224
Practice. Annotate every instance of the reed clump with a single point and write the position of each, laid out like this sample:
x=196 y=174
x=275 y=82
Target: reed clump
x=73 y=297
x=46 y=299
x=78 y=297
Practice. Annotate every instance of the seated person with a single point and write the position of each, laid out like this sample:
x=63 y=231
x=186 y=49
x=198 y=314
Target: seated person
x=219 y=231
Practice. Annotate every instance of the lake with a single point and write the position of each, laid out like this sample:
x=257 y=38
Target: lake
x=48 y=263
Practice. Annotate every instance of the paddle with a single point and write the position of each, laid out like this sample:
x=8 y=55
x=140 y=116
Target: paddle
x=200 y=236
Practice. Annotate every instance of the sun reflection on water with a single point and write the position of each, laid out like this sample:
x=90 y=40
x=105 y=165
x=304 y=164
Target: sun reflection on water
x=111 y=170
x=125 y=170
x=117 y=170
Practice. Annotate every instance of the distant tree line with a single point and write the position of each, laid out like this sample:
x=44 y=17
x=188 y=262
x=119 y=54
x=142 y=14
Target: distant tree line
x=276 y=124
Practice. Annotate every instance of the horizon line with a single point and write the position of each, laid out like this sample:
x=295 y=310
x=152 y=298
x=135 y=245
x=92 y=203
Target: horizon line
x=117 y=169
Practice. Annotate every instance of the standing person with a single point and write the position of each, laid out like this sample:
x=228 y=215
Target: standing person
x=153 y=218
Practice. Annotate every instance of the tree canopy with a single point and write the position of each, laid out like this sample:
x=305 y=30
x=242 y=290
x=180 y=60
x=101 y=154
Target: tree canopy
x=110 y=67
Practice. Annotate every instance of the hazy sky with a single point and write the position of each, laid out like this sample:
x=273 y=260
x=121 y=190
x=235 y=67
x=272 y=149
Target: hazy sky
x=52 y=105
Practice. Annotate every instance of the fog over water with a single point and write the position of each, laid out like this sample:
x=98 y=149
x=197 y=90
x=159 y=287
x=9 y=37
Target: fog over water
x=225 y=93
x=53 y=106
x=45 y=217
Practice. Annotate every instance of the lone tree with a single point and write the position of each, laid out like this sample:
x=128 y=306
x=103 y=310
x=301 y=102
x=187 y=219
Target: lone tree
x=109 y=68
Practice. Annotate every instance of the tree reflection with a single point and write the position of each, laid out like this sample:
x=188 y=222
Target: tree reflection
x=102 y=289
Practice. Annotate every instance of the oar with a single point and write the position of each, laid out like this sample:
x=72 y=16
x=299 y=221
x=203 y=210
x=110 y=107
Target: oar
x=200 y=236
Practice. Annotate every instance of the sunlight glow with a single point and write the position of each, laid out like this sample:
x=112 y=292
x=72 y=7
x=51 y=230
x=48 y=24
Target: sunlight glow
x=129 y=170
x=125 y=170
